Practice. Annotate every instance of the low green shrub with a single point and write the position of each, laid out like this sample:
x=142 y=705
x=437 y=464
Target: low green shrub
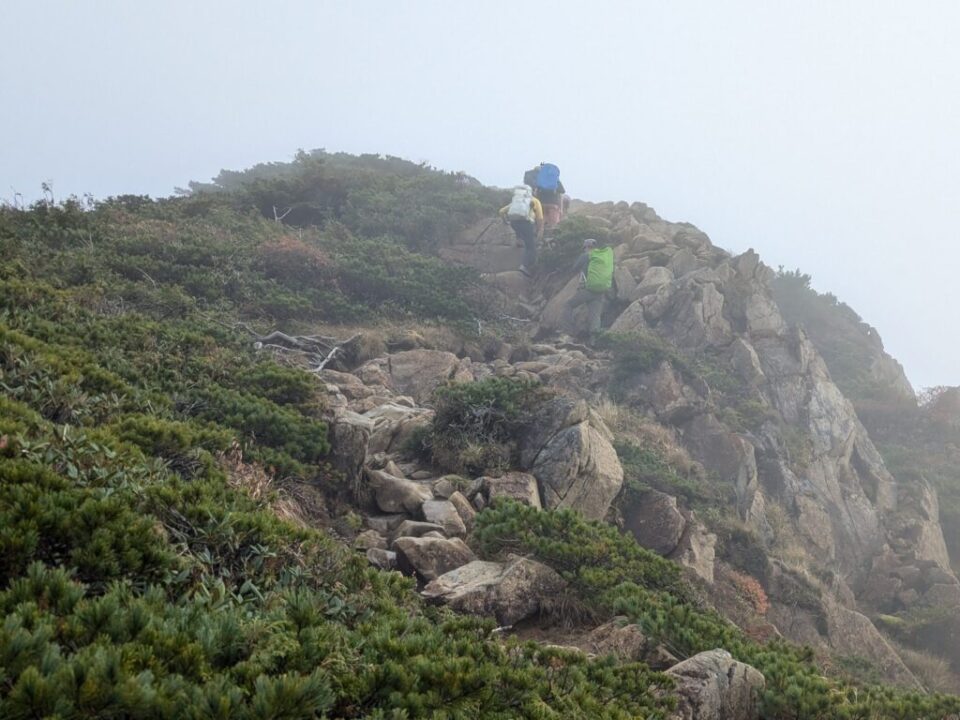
x=477 y=425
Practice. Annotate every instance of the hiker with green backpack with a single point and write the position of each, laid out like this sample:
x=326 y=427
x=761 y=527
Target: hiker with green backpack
x=595 y=266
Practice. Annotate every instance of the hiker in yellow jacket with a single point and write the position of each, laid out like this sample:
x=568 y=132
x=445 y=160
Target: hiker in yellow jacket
x=595 y=266
x=525 y=215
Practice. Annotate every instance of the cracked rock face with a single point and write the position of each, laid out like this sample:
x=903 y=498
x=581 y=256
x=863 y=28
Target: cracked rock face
x=713 y=686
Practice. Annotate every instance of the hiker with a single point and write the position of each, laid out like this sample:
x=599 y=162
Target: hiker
x=545 y=181
x=595 y=266
x=525 y=215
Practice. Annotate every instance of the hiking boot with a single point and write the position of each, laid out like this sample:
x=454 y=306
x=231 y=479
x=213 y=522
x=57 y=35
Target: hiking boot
x=526 y=271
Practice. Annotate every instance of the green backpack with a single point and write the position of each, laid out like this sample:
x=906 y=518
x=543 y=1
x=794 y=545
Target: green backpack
x=600 y=270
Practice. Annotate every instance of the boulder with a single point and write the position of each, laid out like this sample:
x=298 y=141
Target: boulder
x=382 y=559
x=578 y=468
x=464 y=510
x=519 y=486
x=510 y=592
x=624 y=283
x=713 y=686
x=396 y=495
x=415 y=528
x=630 y=320
x=552 y=315
x=444 y=513
x=350 y=436
x=555 y=415
x=419 y=372
x=369 y=539
x=443 y=488
x=618 y=637
x=696 y=549
x=429 y=558
x=653 y=279
x=684 y=261
x=655 y=521
x=394 y=424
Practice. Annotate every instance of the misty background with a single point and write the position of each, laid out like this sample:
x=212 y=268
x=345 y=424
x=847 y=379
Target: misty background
x=822 y=134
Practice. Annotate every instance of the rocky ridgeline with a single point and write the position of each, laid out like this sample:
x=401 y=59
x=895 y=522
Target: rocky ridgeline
x=859 y=541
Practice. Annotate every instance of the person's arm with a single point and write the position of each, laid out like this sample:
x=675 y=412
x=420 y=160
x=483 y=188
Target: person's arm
x=503 y=212
x=582 y=262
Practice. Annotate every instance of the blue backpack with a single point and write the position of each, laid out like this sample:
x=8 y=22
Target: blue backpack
x=549 y=177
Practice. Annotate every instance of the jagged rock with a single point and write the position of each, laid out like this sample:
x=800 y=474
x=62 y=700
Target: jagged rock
x=684 y=262
x=713 y=686
x=347 y=384
x=350 y=437
x=653 y=279
x=393 y=424
x=464 y=510
x=745 y=362
x=519 y=486
x=655 y=521
x=444 y=513
x=578 y=468
x=396 y=495
x=415 y=528
x=624 y=283
x=370 y=539
x=671 y=399
x=510 y=592
x=694 y=316
x=618 y=637
x=630 y=320
x=636 y=266
x=732 y=457
x=697 y=548
x=382 y=559
x=419 y=372
x=384 y=524
x=655 y=305
x=763 y=316
x=443 y=488
x=556 y=414
x=429 y=558
x=553 y=314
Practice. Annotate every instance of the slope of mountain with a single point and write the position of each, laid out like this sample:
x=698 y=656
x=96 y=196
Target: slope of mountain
x=228 y=417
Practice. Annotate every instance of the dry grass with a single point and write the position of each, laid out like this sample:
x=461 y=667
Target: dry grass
x=253 y=480
x=630 y=426
x=934 y=672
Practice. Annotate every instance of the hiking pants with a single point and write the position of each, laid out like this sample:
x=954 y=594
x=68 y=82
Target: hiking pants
x=527 y=232
x=551 y=215
x=594 y=302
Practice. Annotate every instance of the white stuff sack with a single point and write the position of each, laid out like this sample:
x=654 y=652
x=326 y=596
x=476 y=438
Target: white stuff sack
x=521 y=206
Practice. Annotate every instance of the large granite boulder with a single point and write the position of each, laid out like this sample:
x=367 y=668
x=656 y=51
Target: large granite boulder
x=519 y=486
x=395 y=494
x=655 y=521
x=444 y=513
x=429 y=557
x=419 y=372
x=578 y=468
x=713 y=686
x=350 y=438
x=510 y=591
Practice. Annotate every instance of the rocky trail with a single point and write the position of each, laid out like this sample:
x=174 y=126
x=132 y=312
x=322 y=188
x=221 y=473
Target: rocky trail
x=843 y=540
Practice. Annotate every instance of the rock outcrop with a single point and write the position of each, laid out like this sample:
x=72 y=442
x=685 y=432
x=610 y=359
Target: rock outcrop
x=713 y=686
x=510 y=591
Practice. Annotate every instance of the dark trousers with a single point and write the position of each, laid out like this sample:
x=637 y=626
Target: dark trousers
x=594 y=302
x=527 y=232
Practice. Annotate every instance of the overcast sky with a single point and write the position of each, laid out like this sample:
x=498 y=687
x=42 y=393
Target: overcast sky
x=823 y=134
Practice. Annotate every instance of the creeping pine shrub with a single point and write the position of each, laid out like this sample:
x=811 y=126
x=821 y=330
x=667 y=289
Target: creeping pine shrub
x=478 y=425
x=613 y=575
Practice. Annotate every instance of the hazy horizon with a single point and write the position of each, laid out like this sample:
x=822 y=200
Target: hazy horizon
x=822 y=135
